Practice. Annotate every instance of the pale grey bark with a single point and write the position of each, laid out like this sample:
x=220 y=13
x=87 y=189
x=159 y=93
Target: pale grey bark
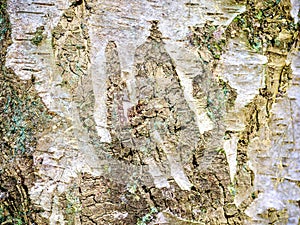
x=100 y=58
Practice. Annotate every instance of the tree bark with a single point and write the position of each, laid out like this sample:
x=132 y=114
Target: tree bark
x=149 y=112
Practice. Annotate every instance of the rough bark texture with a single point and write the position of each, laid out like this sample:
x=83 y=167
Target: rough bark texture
x=150 y=112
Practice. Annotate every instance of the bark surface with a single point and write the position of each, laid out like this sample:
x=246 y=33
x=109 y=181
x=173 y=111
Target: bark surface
x=149 y=112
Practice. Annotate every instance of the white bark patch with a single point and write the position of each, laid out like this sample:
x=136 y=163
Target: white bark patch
x=244 y=70
x=295 y=10
x=177 y=171
x=275 y=154
x=160 y=180
x=230 y=148
x=188 y=66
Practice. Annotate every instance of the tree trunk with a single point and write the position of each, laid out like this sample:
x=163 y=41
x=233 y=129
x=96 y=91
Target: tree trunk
x=150 y=112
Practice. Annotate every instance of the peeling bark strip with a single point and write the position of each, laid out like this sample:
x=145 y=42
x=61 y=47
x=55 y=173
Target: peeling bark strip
x=165 y=114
